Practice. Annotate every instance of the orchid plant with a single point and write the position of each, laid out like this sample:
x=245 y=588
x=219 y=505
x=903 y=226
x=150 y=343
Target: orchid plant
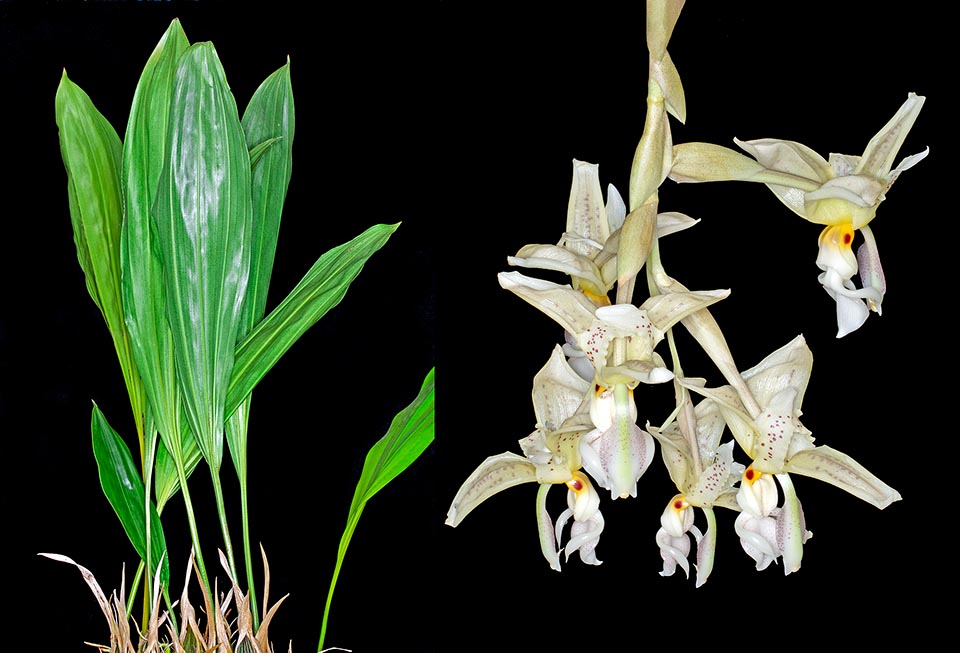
x=176 y=232
x=736 y=446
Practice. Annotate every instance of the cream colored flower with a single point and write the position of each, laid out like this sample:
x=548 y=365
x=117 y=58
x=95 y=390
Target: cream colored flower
x=841 y=193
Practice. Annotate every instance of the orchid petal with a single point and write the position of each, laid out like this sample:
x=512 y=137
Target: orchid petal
x=788 y=157
x=670 y=222
x=718 y=477
x=675 y=454
x=860 y=190
x=616 y=208
x=568 y=307
x=776 y=425
x=666 y=310
x=559 y=259
x=618 y=321
x=908 y=162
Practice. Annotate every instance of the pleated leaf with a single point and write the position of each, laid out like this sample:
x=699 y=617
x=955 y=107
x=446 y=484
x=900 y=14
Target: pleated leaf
x=91 y=152
x=410 y=433
x=268 y=124
x=124 y=489
x=321 y=289
x=268 y=120
x=203 y=217
x=143 y=291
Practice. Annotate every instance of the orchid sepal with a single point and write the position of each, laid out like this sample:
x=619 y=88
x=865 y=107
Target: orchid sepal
x=791 y=528
x=558 y=391
x=840 y=470
x=871 y=272
x=588 y=224
x=496 y=473
x=706 y=547
x=548 y=538
x=581 y=269
x=877 y=158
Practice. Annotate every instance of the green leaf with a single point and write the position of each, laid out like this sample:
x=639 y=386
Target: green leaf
x=268 y=119
x=121 y=483
x=203 y=216
x=91 y=152
x=321 y=289
x=268 y=124
x=410 y=433
x=144 y=302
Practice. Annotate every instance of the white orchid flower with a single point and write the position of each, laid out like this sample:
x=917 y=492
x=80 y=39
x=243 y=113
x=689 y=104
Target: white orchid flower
x=779 y=445
x=619 y=342
x=551 y=457
x=705 y=474
x=593 y=329
x=841 y=193
x=587 y=250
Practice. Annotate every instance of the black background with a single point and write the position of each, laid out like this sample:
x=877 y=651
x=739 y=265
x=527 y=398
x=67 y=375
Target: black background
x=461 y=120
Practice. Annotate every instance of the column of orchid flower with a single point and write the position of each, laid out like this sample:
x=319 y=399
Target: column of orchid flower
x=586 y=416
